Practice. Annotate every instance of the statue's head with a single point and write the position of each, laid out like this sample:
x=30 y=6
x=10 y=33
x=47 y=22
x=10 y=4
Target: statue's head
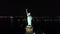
x=29 y=14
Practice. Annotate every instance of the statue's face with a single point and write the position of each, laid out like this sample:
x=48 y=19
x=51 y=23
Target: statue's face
x=28 y=13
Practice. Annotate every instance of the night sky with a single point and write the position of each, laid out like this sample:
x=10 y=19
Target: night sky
x=37 y=8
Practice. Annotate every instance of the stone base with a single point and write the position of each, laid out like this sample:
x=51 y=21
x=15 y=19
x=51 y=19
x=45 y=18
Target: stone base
x=29 y=30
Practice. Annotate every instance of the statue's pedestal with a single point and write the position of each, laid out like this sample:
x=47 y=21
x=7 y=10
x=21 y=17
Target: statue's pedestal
x=29 y=30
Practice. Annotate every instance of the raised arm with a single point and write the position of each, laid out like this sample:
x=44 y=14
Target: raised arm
x=26 y=10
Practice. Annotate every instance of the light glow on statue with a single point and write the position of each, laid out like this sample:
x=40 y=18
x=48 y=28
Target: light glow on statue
x=29 y=28
x=29 y=18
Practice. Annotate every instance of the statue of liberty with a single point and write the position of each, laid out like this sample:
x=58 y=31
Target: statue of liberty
x=29 y=28
x=29 y=18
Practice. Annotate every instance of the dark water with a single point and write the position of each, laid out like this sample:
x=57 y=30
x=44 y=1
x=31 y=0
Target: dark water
x=49 y=27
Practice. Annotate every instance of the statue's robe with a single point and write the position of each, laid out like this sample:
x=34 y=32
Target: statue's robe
x=29 y=20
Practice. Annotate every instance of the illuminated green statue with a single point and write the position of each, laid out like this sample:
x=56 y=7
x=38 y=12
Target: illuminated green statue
x=29 y=28
x=29 y=18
